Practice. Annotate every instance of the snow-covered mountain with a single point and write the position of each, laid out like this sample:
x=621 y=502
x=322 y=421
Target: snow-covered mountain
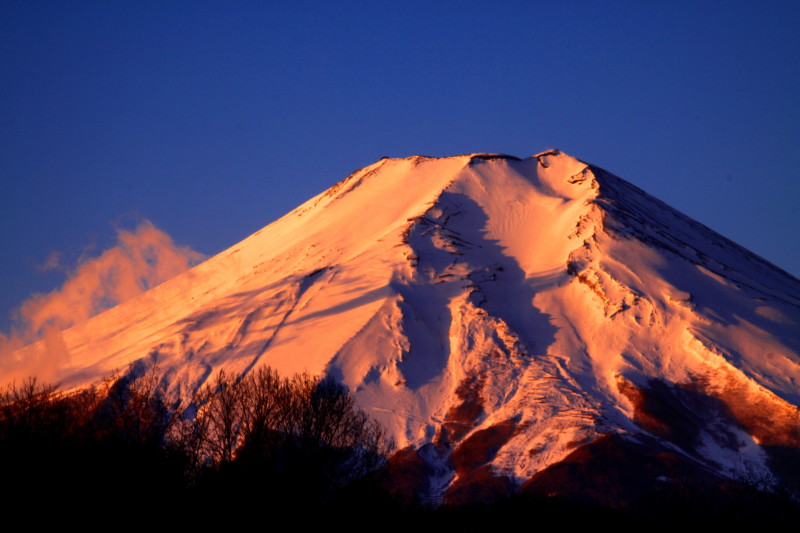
x=503 y=318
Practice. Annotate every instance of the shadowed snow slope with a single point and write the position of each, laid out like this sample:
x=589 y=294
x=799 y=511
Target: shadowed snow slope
x=495 y=314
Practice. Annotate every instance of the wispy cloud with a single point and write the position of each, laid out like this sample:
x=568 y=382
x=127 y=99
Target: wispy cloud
x=141 y=259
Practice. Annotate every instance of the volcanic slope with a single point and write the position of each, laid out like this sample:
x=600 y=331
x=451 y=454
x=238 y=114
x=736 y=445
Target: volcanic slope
x=496 y=314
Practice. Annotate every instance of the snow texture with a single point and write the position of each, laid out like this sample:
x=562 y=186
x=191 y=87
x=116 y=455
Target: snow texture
x=453 y=295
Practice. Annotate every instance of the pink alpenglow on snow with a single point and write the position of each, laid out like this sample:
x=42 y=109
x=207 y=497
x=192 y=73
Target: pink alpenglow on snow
x=499 y=312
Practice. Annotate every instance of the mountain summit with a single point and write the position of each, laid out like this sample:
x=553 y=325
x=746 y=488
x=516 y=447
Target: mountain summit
x=509 y=321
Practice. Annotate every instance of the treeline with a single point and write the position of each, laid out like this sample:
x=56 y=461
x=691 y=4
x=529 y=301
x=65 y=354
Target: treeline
x=256 y=441
x=264 y=447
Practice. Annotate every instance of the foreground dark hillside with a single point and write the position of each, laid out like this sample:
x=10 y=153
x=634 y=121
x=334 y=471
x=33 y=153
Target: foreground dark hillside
x=299 y=447
x=256 y=439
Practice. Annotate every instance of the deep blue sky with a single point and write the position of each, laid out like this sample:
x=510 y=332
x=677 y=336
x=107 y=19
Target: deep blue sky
x=212 y=119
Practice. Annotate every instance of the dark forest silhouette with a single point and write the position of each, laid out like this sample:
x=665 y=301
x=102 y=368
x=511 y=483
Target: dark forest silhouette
x=265 y=444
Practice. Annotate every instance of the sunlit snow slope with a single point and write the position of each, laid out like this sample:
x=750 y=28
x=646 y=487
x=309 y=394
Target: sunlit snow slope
x=485 y=306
